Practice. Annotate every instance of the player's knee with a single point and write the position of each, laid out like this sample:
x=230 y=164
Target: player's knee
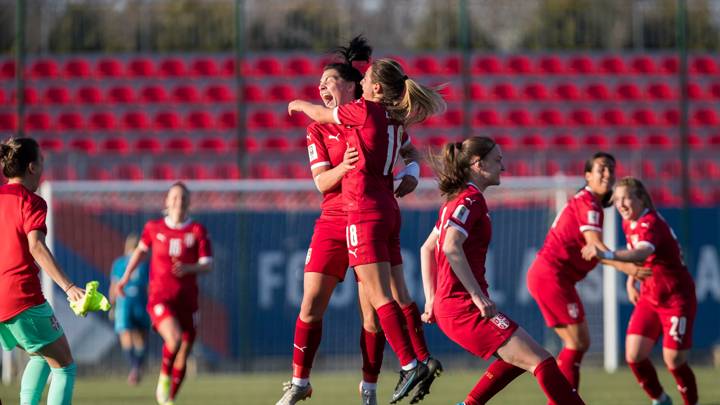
x=633 y=356
x=674 y=360
x=371 y=325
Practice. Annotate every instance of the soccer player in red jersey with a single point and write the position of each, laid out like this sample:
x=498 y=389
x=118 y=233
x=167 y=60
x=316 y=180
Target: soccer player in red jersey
x=26 y=318
x=665 y=305
x=180 y=250
x=327 y=259
x=456 y=291
x=559 y=264
x=376 y=125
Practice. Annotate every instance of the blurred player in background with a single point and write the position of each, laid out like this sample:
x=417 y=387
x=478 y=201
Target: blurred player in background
x=327 y=259
x=26 y=319
x=456 y=291
x=375 y=127
x=665 y=305
x=559 y=264
x=180 y=251
x=130 y=316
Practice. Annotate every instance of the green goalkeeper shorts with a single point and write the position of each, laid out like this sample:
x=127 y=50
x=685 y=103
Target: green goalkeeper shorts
x=32 y=329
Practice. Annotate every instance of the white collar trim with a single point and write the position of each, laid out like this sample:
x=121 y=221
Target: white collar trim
x=171 y=225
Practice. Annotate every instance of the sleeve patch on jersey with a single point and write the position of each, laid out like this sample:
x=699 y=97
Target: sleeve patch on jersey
x=461 y=213
x=312 y=152
x=593 y=218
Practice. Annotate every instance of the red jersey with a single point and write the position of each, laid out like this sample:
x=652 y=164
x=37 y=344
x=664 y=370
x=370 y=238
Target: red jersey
x=670 y=282
x=326 y=147
x=188 y=243
x=378 y=139
x=468 y=213
x=21 y=211
x=565 y=240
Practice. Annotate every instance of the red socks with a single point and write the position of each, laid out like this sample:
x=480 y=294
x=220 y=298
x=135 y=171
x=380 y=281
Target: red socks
x=305 y=345
x=178 y=375
x=647 y=378
x=391 y=321
x=553 y=383
x=686 y=384
x=568 y=361
x=497 y=377
x=168 y=358
x=415 y=329
x=372 y=346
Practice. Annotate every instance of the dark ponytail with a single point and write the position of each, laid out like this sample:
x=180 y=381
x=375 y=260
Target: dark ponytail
x=357 y=51
x=452 y=163
x=16 y=155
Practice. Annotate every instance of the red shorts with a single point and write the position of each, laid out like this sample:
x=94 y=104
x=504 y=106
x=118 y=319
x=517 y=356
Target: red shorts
x=373 y=237
x=327 y=253
x=161 y=310
x=480 y=336
x=674 y=324
x=557 y=298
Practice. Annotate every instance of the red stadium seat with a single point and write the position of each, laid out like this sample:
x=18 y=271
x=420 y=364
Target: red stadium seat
x=704 y=117
x=520 y=118
x=247 y=144
x=648 y=169
x=172 y=67
x=153 y=94
x=596 y=141
x=660 y=91
x=536 y=91
x=613 y=65
x=38 y=121
x=644 y=117
x=109 y=68
x=453 y=118
x=70 y=121
x=582 y=117
x=297 y=120
x=186 y=94
x=643 y=65
x=180 y=145
x=427 y=65
x=98 y=173
x=262 y=119
x=103 y=121
x=488 y=65
x=83 y=145
x=229 y=67
x=504 y=91
x=613 y=117
x=214 y=145
x=665 y=197
x=297 y=170
x=121 y=95
x=129 y=171
x=167 y=120
x=477 y=92
x=57 y=95
x=629 y=91
x=281 y=92
x=227 y=120
x=670 y=65
x=88 y=95
x=116 y=146
x=551 y=65
x=695 y=142
x=533 y=141
x=141 y=67
x=451 y=93
x=194 y=171
x=487 y=118
x=695 y=91
x=300 y=66
x=671 y=117
x=206 y=67
x=51 y=145
x=309 y=92
x=219 y=94
x=699 y=198
x=227 y=171
x=565 y=141
x=268 y=66
x=714 y=91
x=135 y=120
x=704 y=65
x=266 y=171
x=437 y=141
x=671 y=169
x=505 y=141
x=452 y=65
x=77 y=68
x=628 y=141
x=598 y=91
x=148 y=145
x=581 y=65
x=519 y=64
x=659 y=140
x=163 y=171
x=550 y=117
x=43 y=69
x=30 y=96
x=2 y=97
x=568 y=91
x=517 y=168
x=7 y=70
x=252 y=93
x=551 y=168
x=426 y=171
x=199 y=120
x=60 y=172
x=277 y=144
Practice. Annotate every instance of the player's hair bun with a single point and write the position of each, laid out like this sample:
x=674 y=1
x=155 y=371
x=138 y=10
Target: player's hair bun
x=357 y=51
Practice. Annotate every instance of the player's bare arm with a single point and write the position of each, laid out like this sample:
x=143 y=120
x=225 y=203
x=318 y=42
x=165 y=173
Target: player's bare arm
x=428 y=268
x=316 y=112
x=138 y=255
x=632 y=290
x=42 y=255
x=327 y=179
x=182 y=269
x=453 y=249
x=411 y=172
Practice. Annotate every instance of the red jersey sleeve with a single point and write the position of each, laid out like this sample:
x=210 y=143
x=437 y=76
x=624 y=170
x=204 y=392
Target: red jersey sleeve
x=317 y=151
x=352 y=114
x=146 y=237
x=589 y=215
x=465 y=214
x=34 y=216
x=204 y=247
x=646 y=236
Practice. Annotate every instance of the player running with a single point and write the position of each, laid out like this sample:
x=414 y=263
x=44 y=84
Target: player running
x=327 y=259
x=376 y=125
x=456 y=291
x=665 y=305
x=180 y=251
x=559 y=264
x=26 y=319
x=130 y=316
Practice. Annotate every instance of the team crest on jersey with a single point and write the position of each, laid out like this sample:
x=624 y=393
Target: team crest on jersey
x=573 y=310
x=312 y=152
x=158 y=309
x=189 y=239
x=161 y=237
x=500 y=321
x=461 y=213
x=593 y=218
x=307 y=257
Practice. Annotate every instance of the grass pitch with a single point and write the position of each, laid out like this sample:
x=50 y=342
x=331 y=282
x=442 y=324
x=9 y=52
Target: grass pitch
x=597 y=387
